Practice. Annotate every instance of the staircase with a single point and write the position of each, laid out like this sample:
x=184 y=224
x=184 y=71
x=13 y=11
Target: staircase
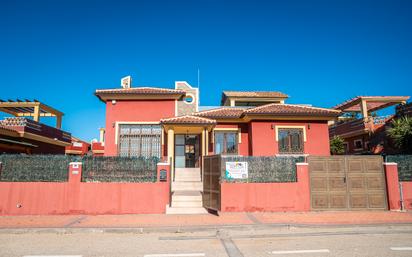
x=186 y=192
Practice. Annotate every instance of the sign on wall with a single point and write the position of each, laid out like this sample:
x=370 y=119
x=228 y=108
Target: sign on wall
x=236 y=170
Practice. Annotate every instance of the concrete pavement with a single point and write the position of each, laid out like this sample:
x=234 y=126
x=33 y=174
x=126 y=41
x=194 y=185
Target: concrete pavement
x=157 y=222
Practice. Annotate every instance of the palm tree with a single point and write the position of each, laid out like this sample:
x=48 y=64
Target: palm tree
x=401 y=134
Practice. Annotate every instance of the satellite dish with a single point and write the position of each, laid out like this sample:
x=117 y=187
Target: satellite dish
x=126 y=82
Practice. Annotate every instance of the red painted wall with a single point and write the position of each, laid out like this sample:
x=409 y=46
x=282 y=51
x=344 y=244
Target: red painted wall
x=134 y=111
x=249 y=197
x=392 y=186
x=407 y=195
x=73 y=197
x=263 y=139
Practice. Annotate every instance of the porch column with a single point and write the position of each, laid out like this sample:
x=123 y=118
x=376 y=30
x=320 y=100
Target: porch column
x=364 y=109
x=171 y=147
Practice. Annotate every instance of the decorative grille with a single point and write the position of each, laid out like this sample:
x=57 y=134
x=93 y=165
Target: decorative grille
x=290 y=141
x=136 y=140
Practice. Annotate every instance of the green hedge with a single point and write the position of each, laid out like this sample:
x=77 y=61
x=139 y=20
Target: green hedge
x=404 y=166
x=264 y=169
x=34 y=168
x=119 y=169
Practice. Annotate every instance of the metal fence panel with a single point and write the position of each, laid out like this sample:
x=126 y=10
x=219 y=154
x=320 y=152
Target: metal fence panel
x=404 y=166
x=35 y=168
x=119 y=169
x=262 y=169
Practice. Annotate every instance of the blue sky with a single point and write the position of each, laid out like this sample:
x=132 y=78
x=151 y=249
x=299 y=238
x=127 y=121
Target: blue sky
x=318 y=52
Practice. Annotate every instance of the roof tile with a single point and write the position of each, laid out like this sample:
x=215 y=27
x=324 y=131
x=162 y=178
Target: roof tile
x=224 y=112
x=291 y=109
x=187 y=119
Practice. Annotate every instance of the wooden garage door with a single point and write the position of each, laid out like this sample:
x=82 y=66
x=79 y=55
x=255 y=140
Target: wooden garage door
x=347 y=183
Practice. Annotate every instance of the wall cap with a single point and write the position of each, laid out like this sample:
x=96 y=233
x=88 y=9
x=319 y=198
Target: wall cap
x=390 y=163
x=163 y=163
x=78 y=163
x=302 y=164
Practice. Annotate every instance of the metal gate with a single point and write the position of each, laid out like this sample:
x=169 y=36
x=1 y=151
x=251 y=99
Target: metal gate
x=347 y=183
x=211 y=182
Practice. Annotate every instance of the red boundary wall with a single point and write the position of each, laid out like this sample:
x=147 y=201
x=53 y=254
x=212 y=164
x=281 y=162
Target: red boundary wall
x=76 y=197
x=249 y=197
x=394 y=189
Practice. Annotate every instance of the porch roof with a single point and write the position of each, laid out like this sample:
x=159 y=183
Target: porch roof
x=188 y=119
x=373 y=103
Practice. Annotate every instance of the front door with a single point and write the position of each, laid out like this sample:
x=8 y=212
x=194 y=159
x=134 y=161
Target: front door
x=187 y=151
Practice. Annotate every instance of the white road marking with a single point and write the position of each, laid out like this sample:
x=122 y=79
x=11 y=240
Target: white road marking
x=175 y=255
x=401 y=248
x=301 y=251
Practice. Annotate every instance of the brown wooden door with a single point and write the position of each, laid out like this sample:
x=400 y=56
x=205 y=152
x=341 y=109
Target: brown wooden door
x=211 y=182
x=347 y=183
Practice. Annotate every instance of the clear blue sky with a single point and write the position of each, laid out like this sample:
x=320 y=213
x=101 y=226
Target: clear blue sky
x=318 y=52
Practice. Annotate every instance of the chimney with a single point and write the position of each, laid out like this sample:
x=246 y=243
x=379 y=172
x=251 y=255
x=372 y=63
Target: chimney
x=126 y=82
x=101 y=137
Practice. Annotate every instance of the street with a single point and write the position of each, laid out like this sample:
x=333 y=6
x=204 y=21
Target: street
x=238 y=241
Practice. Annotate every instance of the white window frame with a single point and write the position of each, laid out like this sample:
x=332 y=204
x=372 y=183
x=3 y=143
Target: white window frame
x=354 y=144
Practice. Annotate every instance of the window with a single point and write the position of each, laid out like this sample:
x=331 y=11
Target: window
x=358 y=144
x=226 y=142
x=188 y=99
x=290 y=140
x=139 y=140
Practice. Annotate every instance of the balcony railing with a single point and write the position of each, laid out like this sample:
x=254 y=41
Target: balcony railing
x=359 y=125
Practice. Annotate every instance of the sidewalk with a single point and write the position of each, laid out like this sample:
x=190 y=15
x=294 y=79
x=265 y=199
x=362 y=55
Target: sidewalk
x=154 y=221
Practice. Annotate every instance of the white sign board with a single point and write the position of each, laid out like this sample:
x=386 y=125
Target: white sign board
x=236 y=170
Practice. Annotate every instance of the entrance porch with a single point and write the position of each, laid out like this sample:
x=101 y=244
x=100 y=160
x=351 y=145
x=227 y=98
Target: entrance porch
x=187 y=143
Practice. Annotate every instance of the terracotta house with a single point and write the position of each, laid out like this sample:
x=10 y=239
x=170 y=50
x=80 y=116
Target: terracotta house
x=362 y=129
x=168 y=123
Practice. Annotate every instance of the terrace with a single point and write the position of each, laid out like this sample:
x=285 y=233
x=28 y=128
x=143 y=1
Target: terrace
x=363 y=106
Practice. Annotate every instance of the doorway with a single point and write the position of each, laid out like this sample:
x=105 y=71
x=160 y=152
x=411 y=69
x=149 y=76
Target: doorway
x=187 y=151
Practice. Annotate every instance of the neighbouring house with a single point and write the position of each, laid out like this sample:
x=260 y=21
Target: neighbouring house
x=363 y=131
x=98 y=146
x=77 y=147
x=170 y=124
x=25 y=134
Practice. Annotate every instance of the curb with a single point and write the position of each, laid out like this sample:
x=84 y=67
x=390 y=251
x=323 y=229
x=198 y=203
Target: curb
x=182 y=229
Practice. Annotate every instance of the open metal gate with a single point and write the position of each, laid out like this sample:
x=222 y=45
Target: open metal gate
x=211 y=182
x=347 y=183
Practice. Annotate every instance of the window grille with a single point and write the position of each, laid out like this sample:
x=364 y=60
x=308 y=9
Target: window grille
x=137 y=140
x=290 y=141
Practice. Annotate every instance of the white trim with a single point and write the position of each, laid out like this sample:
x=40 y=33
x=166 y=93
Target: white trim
x=302 y=164
x=116 y=132
x=390 y=163
x=75 y=163
x=163 y=163
x=277 y=127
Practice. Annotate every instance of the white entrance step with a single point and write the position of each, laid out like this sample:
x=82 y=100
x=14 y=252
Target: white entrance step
x=187 y=186
x=186 y=202
x=185 y=210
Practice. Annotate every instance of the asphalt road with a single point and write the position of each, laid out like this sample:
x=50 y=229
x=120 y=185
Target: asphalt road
x=235 y=242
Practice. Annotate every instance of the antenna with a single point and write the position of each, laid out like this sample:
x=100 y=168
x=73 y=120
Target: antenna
x=198 y=86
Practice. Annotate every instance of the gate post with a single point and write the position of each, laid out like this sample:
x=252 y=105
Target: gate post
x=302 y=175
x=75 y=175
x=392 y=184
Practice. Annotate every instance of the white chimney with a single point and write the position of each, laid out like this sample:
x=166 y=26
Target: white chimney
x=126 y=82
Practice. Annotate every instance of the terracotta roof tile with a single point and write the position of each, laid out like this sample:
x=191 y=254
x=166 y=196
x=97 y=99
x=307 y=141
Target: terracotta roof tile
x=187 y=119
x=224 y=112
x=141 y=90
x=254 y=94
x=291 y=109
x=384 y=102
